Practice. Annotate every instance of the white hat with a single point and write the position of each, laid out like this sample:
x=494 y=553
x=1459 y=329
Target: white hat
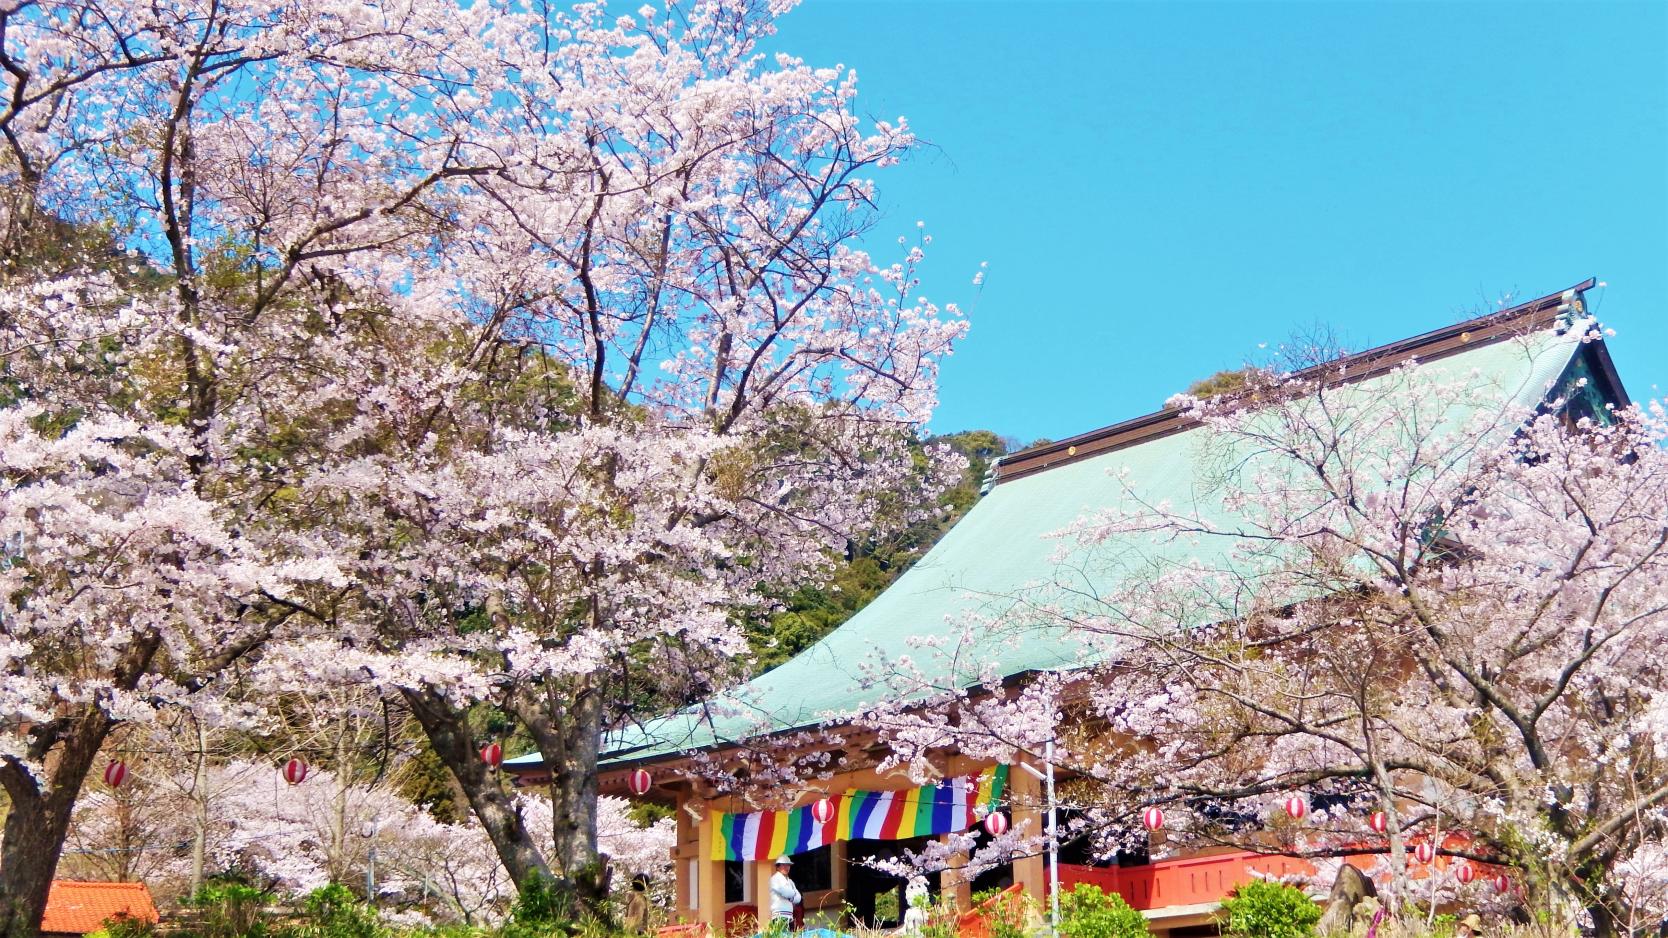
x=784 y=861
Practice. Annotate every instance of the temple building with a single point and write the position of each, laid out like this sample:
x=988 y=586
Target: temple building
x=1532 y=354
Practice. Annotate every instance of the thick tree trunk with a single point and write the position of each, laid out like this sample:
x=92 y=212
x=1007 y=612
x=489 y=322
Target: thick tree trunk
x=39 y=818
x=34 y=840
x=39 y=821
x=448 y=732
x=1605 y=924
x=568 y=733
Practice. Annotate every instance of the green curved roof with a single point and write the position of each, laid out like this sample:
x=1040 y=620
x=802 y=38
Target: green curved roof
x=1003 y=544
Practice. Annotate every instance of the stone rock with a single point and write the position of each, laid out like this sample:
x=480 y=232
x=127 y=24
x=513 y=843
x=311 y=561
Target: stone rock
x=1348 y=890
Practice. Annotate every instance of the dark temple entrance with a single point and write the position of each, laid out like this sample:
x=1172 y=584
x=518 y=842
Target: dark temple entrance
x=875 y=896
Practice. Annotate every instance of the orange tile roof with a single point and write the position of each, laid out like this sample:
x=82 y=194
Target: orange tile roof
x=77 y=907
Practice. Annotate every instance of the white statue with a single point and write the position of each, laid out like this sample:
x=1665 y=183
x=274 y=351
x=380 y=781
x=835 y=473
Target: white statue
x=918 y=898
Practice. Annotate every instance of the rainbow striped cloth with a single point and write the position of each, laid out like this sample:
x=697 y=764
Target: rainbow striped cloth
x=944 y=808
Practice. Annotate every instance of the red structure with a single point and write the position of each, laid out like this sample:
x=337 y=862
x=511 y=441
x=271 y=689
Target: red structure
x=1190 y=881
x=76 y=908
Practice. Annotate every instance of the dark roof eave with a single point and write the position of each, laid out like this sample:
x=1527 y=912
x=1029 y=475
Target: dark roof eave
x=618 y=760
x=1438 y=343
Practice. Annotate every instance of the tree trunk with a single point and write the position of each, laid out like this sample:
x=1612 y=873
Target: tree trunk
x=38 y=823
x=199 y=791
x=1604 y=921
x=569 y=736
x=29 y=857
x=39 y=818
x=448 y=732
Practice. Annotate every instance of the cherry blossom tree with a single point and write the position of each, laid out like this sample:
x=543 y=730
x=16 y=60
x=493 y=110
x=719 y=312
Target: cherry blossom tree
x=475 y=352
x=1374 y=605
x=699 y=391
x=190 y=192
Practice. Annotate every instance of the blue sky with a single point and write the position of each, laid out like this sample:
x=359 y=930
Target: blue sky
x=1160 y=187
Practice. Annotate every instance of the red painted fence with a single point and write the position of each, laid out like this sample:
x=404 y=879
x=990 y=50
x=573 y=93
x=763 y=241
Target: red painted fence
x=1182 y=882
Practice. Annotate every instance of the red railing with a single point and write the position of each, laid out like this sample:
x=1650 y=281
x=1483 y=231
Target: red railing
x=1196 y=880
x=1182 y=882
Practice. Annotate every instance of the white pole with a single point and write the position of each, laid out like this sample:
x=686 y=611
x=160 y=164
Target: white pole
x=1053 y=849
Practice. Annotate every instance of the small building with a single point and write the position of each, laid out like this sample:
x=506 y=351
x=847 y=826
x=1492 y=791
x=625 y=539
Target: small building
x=76 y=908
x=1529 y=356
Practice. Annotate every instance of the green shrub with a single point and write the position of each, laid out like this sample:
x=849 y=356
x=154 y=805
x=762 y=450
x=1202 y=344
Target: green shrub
x=543 y=908
x=228 y=907
x=1086 y=912
x=333 y=912
x=1262 y=909
x=124 y=926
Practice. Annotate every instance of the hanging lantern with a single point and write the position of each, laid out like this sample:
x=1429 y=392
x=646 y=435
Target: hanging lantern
x=1425 y=852
x=1465 y=873
x=1296 y=806
x=996 y=823
x=1153 y=818
x=822 y=811
x=639 y=781
x=115 y=773
x=492 y=754
x=1502 y=883
x=1379 y=822
x=295 y=771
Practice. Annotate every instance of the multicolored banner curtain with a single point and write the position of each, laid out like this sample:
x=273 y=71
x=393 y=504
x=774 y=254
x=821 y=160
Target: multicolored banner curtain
x=945 y=808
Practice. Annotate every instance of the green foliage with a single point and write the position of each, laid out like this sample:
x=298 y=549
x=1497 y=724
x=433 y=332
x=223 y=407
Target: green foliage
x=334 y=912
x=540 y=903
x=811 y=612
x=1262 y=909
x=1086 y=912
x=1009 y=917
x=124 y=926
x=228 y=907
x=888 y=908
x=645 y=813
x=1223 y=382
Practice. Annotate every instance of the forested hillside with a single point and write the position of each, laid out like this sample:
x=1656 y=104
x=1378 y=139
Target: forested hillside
x=811 y=612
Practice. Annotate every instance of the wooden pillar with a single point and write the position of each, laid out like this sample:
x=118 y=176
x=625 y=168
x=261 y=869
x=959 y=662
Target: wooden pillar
x=684 y=855
x=709 y=878
x=762 y=871
x=1026 y=799
x=954 y=882
x=837 y=853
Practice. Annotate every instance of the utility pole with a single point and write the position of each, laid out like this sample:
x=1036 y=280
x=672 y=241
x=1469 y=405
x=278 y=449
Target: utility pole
x=1047 y=778
x=368 y=831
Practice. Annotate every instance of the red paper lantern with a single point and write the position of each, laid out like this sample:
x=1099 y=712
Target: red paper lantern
x=822 y=811
x=1465 y=873
x=1379 y=822
x=1425 y=852
x=996 y=823
x=1296 y=806
x=1502 y=882
x=1153 y=818
x=115 y=773
x=295 y=771
x=492 y=754
x=639 y=781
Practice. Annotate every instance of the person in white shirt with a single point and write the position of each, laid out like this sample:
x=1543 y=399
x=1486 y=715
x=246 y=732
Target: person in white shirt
x=784 y=895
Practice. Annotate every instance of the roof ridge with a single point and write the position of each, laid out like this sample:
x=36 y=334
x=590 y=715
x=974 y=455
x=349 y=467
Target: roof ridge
x=1486 y=329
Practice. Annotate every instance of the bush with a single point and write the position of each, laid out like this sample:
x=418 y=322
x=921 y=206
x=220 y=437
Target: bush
x=333 y=912
x=123 y=925
x=1263 y=909
x=228 y=907
x=1086 y=912
x=1006 y=914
